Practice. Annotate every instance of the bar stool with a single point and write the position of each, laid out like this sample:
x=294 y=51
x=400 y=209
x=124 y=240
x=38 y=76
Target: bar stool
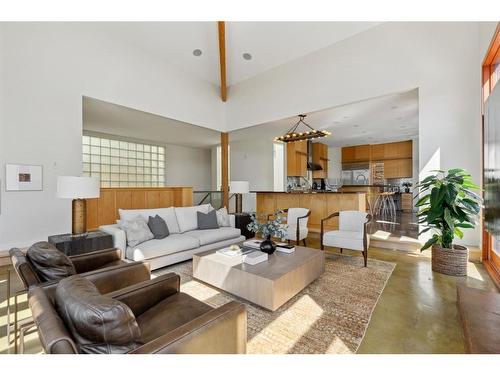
x=384 y=205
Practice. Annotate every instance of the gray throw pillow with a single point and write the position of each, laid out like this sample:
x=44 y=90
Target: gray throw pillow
x=99 y=324
x=49 y=263
x=207 y=221
x=158 y=227
x=137 y=231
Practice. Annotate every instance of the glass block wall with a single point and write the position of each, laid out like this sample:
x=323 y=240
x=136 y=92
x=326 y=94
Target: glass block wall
x=123 y=163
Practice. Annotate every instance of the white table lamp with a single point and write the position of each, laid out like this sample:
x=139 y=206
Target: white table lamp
x=78 y=189
x=238 y=188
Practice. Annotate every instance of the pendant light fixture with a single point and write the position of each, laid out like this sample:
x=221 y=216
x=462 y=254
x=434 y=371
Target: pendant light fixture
x=294 y=135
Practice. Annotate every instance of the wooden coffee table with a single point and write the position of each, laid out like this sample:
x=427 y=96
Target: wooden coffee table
x=269 y=284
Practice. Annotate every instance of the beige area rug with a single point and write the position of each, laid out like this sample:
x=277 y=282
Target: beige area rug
x=331 y=315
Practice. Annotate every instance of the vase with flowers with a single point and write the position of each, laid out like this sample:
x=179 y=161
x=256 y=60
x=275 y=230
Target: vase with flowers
x=268 y=227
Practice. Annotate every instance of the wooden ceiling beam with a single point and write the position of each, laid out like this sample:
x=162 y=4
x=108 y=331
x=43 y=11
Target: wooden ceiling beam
x=221 y=25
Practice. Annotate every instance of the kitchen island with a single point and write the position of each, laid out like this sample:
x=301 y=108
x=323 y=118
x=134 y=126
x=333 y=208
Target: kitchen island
x=321 y=204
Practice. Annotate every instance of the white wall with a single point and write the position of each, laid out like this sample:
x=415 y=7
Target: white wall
x=440 y=59
x=45 y=70
x=188 y=166
x=335 y=162
x=253 y=161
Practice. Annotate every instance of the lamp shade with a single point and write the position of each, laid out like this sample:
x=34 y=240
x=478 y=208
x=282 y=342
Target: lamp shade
x=239 y=187
x=78 y=187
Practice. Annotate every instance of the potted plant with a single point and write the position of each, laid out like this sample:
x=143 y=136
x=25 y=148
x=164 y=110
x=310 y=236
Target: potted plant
x=268 y=228
x=447 y=206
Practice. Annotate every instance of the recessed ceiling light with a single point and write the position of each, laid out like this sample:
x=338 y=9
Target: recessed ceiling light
x=337 y=122
x=247 y=56
x=356 y=126
x=345 y=117
x=197 y=52
x=394 y=107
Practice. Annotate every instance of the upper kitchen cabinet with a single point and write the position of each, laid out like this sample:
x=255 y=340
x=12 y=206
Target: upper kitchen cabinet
x=398 y=168
x=320 y=158
x=388 y=151
x=356 y=154
x=296 y=154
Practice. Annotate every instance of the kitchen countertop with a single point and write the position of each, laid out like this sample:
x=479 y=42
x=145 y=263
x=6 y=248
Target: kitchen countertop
x=306 y=192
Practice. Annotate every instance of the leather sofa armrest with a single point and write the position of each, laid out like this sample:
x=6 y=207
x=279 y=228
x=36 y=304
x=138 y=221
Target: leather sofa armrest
x=96 y=259
x=119 y=237
x=232 y=220
x=109 y=279
x=144 y=295
x=220 y=331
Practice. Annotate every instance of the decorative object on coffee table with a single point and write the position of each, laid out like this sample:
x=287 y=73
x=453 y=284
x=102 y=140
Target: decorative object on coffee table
x=238 y=188
x=448 y=206
x=270 y=228
x=87 y=243
x=78 y=189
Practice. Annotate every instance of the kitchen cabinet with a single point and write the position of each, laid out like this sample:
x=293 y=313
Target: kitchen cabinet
x=394 y=150
x=320 y=157
x=356 y=154
x=348 y=155
x=407 y=202
x=398 y=168
x=296 y=154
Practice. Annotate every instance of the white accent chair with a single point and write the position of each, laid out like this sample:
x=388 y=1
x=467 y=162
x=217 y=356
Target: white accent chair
x=296 y=219
x=352 y=233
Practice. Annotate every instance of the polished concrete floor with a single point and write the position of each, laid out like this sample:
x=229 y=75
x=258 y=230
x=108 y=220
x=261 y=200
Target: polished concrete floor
x=416 y=312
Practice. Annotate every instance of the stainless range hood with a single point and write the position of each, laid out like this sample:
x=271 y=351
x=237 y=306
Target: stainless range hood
x=310 y=165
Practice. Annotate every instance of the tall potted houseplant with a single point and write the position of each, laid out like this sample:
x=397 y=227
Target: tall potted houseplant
x=448 y=204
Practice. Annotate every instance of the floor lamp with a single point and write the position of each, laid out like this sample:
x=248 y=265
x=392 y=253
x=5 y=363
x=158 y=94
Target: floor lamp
x=238 y=188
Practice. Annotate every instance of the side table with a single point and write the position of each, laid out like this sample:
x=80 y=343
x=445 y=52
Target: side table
x=81 y=244
x=241 y=222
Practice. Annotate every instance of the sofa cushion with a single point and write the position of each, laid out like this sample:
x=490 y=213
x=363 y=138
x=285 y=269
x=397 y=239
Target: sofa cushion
x=168 y=245
x=99 y=324
x=137 y=231
x=49 y=263
x=207 y=221
x=187 y=218
x=167 y=214
x=170 y=314
x=353 y=221
x=209 y=236
x=158 y=227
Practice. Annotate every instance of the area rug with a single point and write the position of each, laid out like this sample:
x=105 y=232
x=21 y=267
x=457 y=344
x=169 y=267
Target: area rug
x=331 y=315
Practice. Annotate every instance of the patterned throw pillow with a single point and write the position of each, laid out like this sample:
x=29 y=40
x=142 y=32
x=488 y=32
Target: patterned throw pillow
x=137 y=231
x=223 y=217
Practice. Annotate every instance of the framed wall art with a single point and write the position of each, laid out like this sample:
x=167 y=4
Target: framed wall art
x=23 y=177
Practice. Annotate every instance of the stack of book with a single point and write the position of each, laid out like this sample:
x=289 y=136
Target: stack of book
x=255 y=257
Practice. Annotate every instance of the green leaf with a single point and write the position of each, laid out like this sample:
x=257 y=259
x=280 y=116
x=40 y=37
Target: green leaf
x=430 y=242
x=423 y=200
x=459 y=233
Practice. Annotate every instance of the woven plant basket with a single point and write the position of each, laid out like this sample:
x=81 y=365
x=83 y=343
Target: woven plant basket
x=450 y=261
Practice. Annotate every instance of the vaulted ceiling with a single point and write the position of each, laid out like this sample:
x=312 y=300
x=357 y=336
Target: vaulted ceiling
x=269 y=43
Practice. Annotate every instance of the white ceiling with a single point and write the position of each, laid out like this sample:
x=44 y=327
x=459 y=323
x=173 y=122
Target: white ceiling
x=270 y=43
x=388 y=118
x=109 y=118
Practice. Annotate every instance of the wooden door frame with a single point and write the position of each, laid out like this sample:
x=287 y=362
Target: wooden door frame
x=490 y=259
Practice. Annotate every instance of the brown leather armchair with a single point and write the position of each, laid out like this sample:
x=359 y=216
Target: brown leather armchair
x=169 y=321
x=104 y=268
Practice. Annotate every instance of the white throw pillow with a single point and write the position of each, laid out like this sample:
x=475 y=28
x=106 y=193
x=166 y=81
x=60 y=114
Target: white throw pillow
x=167 y=214
x=137 y=231
x=223 y=217
x=187 y=217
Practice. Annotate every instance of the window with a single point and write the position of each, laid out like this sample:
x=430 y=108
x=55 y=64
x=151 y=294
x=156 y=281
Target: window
x=219 y=166
x=123 y=163
x=279 y=166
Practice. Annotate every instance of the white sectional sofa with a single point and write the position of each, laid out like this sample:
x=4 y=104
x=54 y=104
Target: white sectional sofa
x=185 y=238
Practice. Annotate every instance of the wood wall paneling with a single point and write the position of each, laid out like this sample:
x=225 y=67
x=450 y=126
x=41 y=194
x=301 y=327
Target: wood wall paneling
x=104 y=210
